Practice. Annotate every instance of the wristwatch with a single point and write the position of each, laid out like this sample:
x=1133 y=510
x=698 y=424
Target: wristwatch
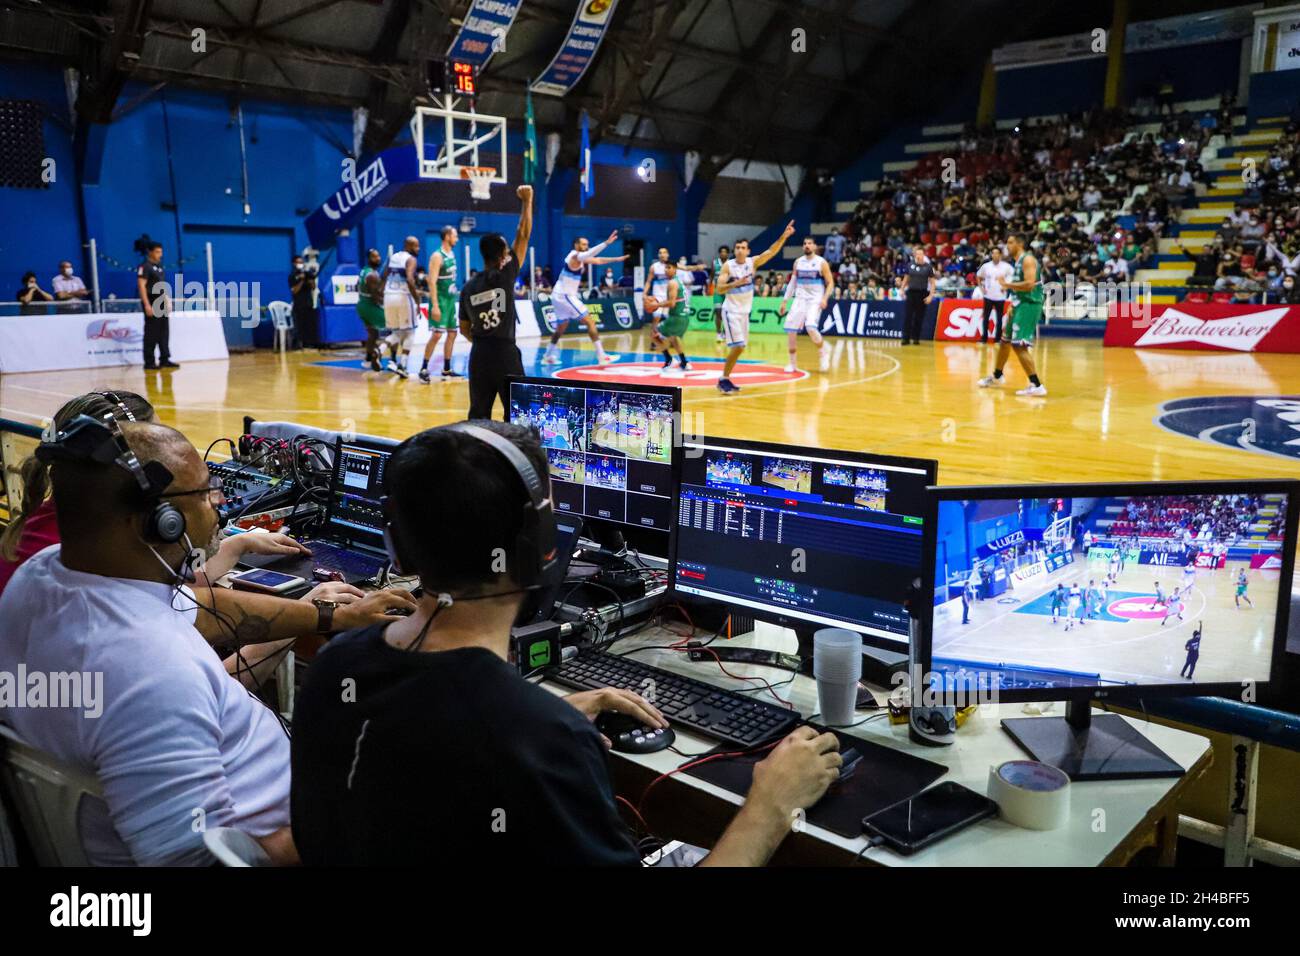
x=325 y=615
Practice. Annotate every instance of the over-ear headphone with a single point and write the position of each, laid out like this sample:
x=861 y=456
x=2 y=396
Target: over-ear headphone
x=89 y=439
x=535 y=558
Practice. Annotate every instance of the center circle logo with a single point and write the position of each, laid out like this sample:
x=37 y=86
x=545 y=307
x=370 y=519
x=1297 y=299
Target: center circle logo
x=1136 y=608
x=703 y=374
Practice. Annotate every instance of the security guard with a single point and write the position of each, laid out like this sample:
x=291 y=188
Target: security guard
x=152 y=285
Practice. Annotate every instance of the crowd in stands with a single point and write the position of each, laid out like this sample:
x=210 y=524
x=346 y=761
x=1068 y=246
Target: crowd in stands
x=1223 y=518
x=1255 y=252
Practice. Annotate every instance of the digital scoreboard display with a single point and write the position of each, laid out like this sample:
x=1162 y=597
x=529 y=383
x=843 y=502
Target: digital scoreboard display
x=461 y=79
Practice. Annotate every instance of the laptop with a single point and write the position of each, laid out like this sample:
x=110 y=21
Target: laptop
x=352 y=541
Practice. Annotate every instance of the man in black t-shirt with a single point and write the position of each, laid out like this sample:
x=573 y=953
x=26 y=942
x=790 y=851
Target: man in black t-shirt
x=416 y=743
x=487 y=315
x=151 y=285
x=302 y=288
x=918 y=284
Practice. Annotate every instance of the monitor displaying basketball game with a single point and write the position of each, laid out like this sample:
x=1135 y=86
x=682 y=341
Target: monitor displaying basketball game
x=1059 y=592
x=611 y=449
x=805 y=537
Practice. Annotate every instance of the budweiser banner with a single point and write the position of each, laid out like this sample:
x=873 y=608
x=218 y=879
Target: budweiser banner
x=1212 y=326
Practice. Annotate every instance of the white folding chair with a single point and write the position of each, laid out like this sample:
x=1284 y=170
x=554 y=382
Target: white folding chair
x=234 y=847
x=48 y=796
x=282 y=319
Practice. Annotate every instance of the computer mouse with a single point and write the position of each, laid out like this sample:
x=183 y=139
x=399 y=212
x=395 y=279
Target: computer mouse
x=628 y=735
x=399 y=612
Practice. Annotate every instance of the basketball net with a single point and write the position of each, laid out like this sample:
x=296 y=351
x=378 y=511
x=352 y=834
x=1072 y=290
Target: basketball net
x=480 y=180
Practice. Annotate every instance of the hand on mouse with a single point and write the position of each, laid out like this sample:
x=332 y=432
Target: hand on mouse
x=797 y=772
x=335 y=591
x=593 y=703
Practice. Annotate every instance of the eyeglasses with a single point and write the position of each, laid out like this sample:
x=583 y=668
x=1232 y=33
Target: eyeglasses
x=213 y=490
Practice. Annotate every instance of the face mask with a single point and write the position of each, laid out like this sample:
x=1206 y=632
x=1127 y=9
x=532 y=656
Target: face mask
x=67 y=271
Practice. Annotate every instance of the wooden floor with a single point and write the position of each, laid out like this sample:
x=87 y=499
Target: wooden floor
x=1096 y=424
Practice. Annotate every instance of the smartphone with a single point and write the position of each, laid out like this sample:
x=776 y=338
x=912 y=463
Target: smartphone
x=268 y=582
x=931 y=815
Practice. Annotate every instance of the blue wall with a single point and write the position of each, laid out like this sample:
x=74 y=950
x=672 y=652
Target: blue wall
x=1198 y=71
x=1066 y=87
x=1274 y=94
x=40 y=225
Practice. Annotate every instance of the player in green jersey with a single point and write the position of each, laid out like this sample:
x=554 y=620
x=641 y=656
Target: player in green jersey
x=1058 y=602
x=1020 y=330
x=1242 y=584
x=370 y=307
x=442 y=304
x=673 y=326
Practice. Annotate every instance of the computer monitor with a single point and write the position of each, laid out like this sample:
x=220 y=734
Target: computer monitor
x=803 y=537
x=613 y=449
x=354 y=513
x=1105 y=592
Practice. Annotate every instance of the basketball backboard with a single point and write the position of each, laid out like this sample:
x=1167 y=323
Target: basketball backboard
x=456 y=143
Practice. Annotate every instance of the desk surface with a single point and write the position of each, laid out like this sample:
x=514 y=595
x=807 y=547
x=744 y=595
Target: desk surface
x=1102 y=813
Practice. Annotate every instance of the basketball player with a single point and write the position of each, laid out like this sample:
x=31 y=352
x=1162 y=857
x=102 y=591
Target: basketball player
x=442 y=304
x=736 y=282
x=1242 y=584
x=370 y=306
x=1058 y=601
x=810 y=285
x=1175 y=607
x=1019 y=332
x=401 y=303
x=1159 y=598
x=723 y=255
x=1092 y=597
x=566 y=297
x=1189 y=573
x=677 y=308
x=657 y=288
x=1074 y=607
x=487 y=314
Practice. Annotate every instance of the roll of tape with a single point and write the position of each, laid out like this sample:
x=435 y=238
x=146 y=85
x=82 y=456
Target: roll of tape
x=1030 y=794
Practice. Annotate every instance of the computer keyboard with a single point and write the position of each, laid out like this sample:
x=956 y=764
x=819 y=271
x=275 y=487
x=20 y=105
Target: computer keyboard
x=722 y=714
x=334 y=558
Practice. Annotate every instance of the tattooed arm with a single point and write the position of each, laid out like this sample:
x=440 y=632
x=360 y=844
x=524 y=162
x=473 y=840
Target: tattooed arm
x=242 y=617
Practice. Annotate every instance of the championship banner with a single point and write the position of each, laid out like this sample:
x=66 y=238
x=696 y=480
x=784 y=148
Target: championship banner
x=483 y=31
x=1209 y=326
x=578 y=49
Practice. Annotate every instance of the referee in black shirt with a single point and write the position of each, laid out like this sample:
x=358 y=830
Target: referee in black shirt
x=151 y=283
x=918 y=286
x=487 y=315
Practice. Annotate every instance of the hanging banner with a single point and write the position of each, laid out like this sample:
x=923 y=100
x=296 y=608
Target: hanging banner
x=579 y=48
x=483 y=31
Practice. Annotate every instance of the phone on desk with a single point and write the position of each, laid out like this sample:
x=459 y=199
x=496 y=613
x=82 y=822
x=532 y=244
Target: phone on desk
x=928 y=817
x=267 y=582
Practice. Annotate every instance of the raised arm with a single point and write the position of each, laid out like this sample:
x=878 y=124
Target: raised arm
x=525 y=230
x=775 y=247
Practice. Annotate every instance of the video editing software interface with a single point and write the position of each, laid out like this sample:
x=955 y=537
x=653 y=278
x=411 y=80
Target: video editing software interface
x=355 y=512
x=830 y=538
x=610 y=450
x=1173 y=589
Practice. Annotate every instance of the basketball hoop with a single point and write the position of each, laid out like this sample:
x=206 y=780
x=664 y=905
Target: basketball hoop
x=480 y=180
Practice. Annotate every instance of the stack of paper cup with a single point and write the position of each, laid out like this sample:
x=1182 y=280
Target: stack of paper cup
x=837 y=666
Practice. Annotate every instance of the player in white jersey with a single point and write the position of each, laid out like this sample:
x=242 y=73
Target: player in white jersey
x=1189 y=574
x=401 y=303
x=566 y=297
x=810 y=286
x=657 y=289
x=736 y=282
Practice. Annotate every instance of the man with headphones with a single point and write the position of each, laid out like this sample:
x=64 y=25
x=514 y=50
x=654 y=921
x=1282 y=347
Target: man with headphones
x=176 y=739
x=418 y=743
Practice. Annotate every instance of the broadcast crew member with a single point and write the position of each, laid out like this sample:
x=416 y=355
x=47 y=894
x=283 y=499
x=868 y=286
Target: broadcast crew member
x=487 y=314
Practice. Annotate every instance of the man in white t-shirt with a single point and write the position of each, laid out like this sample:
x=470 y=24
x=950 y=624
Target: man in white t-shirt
x=995 y=296
x=177 y=744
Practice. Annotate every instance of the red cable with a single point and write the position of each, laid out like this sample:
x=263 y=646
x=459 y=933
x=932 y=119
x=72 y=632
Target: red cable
x=695 y=763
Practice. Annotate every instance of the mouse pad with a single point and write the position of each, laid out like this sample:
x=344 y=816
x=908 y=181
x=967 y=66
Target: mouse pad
x=883 y=777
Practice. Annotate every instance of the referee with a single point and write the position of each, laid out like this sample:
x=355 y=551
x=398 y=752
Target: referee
x=151 y=283
x=918 y=285
x=487 y=315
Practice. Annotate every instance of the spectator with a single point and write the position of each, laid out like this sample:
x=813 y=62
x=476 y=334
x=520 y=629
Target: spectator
x=30 y=292
x=67 y=285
